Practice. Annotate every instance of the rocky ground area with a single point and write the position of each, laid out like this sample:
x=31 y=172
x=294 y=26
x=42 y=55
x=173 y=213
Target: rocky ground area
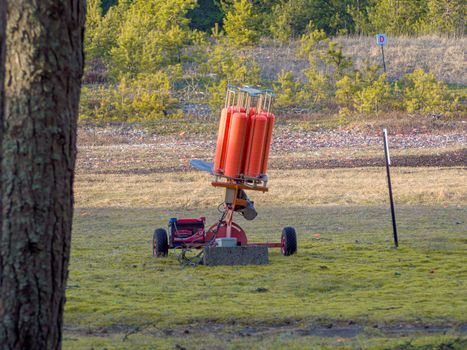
x=114 y=150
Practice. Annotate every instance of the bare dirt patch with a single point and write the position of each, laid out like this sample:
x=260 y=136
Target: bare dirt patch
x=320 y=328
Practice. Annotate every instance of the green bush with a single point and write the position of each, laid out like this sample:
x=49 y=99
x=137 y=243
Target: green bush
x=333 y=57
x=364 y=92
x=417 y=92
x=310 y=41
x=424 y=94
x=144 y=99
x=346 y=88
x=289 y=91
x=318 y=86
x=374 y=97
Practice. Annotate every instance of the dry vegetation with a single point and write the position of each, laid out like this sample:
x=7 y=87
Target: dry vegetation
x=443 y=56
x=362 y=186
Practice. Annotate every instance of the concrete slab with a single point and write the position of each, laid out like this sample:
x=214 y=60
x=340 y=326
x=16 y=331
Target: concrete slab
x=231 y=256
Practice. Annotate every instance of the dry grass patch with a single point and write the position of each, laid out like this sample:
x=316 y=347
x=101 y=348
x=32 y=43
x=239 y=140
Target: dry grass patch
x=287 y=187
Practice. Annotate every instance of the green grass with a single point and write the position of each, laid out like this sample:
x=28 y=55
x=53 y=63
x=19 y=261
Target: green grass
x=120 y=297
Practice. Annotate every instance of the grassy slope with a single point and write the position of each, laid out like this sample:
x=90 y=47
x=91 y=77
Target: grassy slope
x=441 y=55
x=120 y=297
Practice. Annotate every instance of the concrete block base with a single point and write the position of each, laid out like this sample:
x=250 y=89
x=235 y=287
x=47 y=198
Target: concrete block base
x=230 y=256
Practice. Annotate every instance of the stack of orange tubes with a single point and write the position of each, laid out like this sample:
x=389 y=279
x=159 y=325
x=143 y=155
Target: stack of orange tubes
x=245 y=134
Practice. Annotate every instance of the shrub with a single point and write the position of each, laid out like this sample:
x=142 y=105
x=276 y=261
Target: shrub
x=346 y=89
x=424 y=94
x=373 y=97
x=289 y=91
x=310 y=41
x=319 y=50
x=144 y=99
x=318 y=86
x=335 y=58
x=364 y=92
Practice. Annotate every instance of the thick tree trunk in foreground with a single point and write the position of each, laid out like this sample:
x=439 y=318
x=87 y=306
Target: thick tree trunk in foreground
x=2 y=79
x=44 y=65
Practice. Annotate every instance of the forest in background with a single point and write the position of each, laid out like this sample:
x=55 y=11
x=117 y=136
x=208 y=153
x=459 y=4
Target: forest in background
x=278 y=18
x=148 y=58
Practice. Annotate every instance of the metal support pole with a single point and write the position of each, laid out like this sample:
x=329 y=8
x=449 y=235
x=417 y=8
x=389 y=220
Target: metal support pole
x=388 y=163
x=228 y=220
x=230 y=198
x=384 y=62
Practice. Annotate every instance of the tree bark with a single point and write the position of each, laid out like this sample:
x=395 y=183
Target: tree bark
x=44 y=66
x=2 y=82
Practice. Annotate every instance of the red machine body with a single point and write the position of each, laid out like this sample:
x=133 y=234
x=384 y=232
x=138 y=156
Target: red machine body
x=192 y=233
x=184 y=232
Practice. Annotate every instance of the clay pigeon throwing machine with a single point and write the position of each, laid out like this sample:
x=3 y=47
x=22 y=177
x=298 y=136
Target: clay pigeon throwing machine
x=240 y=166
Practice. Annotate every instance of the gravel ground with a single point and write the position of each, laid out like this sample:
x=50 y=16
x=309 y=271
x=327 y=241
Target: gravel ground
x=111 y=150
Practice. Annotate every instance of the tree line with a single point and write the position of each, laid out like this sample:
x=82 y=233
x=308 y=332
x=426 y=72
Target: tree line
x=285 y=18
x=246 y=21
x=151 y=50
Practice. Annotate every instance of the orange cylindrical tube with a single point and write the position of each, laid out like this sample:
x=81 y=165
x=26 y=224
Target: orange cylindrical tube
x=267 y=143
x=251 y=113
x=235 y=145
x=222 y=139
x=255 y=149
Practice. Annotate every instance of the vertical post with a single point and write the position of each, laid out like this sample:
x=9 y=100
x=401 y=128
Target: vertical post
x=230 y=198
x=388 y=163
x=384 y=62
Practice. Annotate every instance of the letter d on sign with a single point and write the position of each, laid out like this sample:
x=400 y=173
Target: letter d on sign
x=381 y=39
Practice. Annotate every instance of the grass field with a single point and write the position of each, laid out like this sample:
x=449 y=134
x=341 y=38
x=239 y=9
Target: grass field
x=347 y=288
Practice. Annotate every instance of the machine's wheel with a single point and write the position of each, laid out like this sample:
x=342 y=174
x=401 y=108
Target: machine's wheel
x=160 y=246
x=288 y=241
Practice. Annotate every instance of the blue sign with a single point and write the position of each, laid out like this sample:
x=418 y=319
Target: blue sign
x=381 y=39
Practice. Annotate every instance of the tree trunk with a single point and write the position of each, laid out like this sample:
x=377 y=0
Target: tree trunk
x=44 y=65
x=2 y=80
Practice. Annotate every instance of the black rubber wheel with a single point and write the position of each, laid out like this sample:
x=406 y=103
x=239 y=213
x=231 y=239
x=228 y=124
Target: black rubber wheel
x=160 y=245
x=288 y=241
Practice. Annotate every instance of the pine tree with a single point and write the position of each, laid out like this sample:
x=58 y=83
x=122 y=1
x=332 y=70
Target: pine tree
x=240 y=24
x=446 y=16
x=93 y=23
x=205 y=15
x=396 y=16
x=151 y=36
